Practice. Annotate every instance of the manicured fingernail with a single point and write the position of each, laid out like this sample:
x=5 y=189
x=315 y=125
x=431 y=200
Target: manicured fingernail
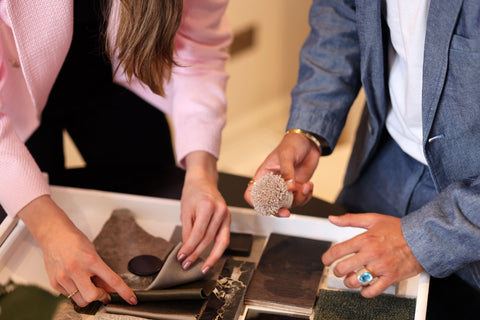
x=206 y=269
x=133 y=300
x=181 y=257
x=186 y=265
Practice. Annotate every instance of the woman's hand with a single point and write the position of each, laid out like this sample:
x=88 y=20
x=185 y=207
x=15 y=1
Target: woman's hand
x=74 y=268
x=295 y=159
x=204 y=213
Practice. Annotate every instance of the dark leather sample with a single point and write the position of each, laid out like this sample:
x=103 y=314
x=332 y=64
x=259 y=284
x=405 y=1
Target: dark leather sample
x=288 y=274
x=240 y=244
x=199 y=290
x=265 y=315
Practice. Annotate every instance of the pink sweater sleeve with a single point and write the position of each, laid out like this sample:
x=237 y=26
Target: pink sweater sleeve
x=20 y=178
x=195 y=95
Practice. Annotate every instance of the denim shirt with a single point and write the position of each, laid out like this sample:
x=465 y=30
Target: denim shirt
x=345 y=50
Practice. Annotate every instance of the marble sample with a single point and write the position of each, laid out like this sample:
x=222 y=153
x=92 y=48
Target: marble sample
x=227 y=300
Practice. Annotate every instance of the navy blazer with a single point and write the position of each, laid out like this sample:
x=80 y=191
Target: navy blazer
x=347 y=49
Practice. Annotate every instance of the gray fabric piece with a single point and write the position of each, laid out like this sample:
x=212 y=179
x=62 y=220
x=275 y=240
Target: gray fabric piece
x=122 y=239
x=178 y=309
x=336 y=304
x=172 y=273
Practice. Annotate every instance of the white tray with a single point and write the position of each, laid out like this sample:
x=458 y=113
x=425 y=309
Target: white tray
x=21 y=257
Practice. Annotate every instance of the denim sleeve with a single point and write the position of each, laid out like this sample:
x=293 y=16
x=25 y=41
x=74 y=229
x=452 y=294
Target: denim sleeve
x=329 y=73
x=449 y=240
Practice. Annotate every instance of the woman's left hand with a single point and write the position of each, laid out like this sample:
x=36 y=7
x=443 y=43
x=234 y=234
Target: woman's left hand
x=204 y=213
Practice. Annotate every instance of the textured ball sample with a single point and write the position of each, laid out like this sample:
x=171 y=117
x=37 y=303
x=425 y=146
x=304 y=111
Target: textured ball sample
x=269 y=194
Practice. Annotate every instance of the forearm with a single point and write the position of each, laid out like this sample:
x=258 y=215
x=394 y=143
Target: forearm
x=44 y=219
x=329 y=73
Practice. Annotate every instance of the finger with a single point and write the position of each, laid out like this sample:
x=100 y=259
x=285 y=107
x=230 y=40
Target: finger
x=351 y=281
x=303 y=194
x=222 y=241
x=212 y=229
x=283 y=213
x=342 y=249
x=376 y=288
x=359 y=220
x=187 y=227
x=287 y=165
x=200 y=225
x=69 y=290
x=112 y=282
x=350 y=264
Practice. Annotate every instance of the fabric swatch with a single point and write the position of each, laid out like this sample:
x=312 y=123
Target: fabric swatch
x=122 y=239
x=338 y=304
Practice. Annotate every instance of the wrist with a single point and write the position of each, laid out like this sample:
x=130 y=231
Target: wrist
x=201 y=164
x=320 y=143
x=43 y=218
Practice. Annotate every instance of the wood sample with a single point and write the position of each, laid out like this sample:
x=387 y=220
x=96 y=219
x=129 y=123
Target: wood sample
x=288 y=274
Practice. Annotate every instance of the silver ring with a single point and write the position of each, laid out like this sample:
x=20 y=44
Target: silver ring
x=72 y=294
x=364 y=276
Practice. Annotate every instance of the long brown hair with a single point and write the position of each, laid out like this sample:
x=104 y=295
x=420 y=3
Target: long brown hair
x=144 y=42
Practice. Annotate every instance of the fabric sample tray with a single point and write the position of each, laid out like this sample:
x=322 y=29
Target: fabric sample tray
x=21 y=257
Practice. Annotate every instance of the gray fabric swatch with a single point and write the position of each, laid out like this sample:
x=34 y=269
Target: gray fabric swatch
x=346 y=305
x=122 y=239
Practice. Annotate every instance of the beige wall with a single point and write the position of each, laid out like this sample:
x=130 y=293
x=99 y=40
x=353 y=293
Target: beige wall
x=269 y=68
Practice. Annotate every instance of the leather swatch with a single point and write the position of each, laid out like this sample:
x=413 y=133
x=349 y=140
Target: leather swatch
x=122 y=239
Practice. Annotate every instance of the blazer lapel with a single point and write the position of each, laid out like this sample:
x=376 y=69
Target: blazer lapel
x=43 y=31
x=442 y=17
x=372 y=35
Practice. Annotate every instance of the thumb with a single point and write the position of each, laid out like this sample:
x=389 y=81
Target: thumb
x=356 y=220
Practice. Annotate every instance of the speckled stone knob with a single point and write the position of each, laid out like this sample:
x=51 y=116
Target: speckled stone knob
x=269 y=194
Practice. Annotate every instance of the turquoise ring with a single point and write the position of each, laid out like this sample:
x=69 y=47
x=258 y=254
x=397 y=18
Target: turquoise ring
x=364 y=276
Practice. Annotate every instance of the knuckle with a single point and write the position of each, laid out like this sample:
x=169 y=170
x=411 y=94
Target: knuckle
x=340 y=270
x=91 y=258
x=90 y=295
x=62 y=277
x=208 y=204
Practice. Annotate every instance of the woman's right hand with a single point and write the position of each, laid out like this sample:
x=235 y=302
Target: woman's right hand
x=295 y=159
x=74 y=267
